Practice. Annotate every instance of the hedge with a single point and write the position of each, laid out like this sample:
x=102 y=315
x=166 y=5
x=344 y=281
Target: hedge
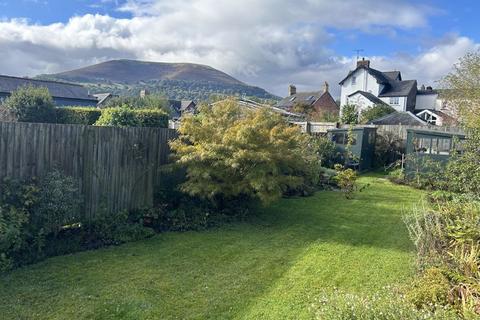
x=152 y=118
x=90 y=116
x=78 y=115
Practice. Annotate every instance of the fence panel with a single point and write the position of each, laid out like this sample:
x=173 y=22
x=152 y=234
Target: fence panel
x=116 y=168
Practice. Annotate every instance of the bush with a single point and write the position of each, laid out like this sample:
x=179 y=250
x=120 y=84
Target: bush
x=118 y=117
x=347 y=180
x=388 y=149
x=148 y=102
x=31 y=104
x=384 y=305
x=77 y=115
x=446 y=234
x=375 y=112
x=231 y=152
x=152 y=118
x=397 y=176
x=327 y=152
x=126 y=117
x=430 y=289
x=59 y=203
x=349 y=114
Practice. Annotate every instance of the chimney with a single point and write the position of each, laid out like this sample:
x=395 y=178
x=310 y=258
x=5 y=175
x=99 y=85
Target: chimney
x=422 y=87
x=364 y=63
x=144 y=93
x=325 y=87
x=292 y=90
x=429 y=88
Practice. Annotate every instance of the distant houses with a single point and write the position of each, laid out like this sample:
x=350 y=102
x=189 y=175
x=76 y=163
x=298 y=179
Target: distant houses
x=321 y=101
x=64 y=94
x=365 y=87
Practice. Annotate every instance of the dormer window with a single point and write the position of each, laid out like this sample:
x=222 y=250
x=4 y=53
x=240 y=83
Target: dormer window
x=394 y=101
x=354 y=80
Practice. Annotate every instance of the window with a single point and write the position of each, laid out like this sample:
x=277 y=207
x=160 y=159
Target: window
x=422 y=145
x=443 y=146
x=309 y=98
x=292 y=98
x=339 y=138
x=371 y=137
x=354 y=80
x=394 y=101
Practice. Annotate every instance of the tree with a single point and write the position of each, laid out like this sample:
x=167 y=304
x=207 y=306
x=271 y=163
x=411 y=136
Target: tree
x=462 y=89
x=375 y=112
x=31 y=104
x=349 y=114
x=232 y=152
x=463 y=93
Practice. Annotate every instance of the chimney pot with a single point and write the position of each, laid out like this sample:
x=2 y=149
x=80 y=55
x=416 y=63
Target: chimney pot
x=422 y=87
x=364 y=63
x=429 y=88
x=292 y=90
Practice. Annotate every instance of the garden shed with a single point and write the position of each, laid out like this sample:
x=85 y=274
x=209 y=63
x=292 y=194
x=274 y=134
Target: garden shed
x=362 y=145
x=433 y=145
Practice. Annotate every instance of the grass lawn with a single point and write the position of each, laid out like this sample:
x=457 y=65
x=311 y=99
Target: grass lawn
x=272 y=267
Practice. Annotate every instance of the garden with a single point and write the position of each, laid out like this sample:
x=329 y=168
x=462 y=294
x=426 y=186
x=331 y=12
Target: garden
x=253 y=220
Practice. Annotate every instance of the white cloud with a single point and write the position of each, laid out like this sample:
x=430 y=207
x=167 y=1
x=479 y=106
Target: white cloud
x=269 y=43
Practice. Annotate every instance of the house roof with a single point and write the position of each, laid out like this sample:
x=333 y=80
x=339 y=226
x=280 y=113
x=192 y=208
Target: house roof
x=8 y=84
x=185 y=104
x=380 y=76
x=393 y=75
x=369 y=96
x=398 y=88
x=102 y=97
x=305 y=97
x=392 y=86
x=395 y=118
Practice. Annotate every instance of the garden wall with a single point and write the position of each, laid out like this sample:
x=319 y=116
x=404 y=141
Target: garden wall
x=117 y=168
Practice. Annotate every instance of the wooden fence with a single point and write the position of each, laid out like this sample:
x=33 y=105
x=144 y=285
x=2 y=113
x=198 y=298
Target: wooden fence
x=117 y=168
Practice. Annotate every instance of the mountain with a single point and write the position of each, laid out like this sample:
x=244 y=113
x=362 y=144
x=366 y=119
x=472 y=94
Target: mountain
x=174 y=80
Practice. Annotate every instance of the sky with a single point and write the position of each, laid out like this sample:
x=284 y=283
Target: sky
x=267 y=43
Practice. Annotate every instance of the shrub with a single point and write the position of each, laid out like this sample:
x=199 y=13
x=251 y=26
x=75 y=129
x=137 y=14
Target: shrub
x=148 y=102
x=327 y=152
x=152 y=118
x=31 y=104
x=118 y=117
x=346 y=180
x=59 y=202
x=388 y=149
x=430 y=289
x=447 y=234
x=77 y=115
x=375 y=112
x=231 y=152
x=126 y=117
x=397 y=176
x=425 y=173
x=349 y=114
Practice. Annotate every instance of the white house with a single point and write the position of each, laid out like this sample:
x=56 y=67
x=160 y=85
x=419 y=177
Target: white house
x=366 y=87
